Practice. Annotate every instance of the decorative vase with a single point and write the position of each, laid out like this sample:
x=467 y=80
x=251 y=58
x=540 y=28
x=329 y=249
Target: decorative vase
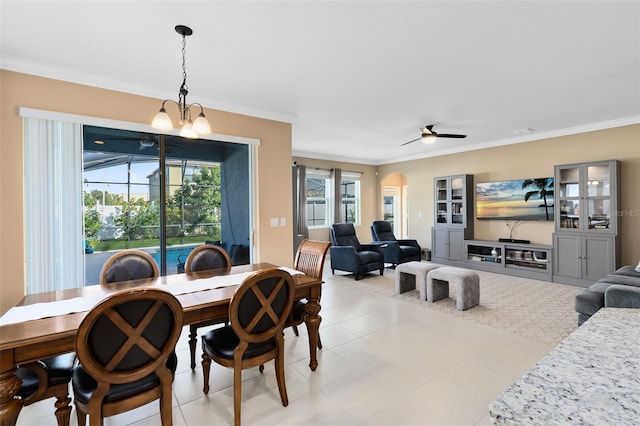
x=494 y=252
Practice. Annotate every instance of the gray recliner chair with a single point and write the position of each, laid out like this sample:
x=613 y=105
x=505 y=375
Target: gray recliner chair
x=347 y=254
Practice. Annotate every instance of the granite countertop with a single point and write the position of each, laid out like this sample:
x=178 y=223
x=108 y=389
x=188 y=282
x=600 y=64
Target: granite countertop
x=591 y=378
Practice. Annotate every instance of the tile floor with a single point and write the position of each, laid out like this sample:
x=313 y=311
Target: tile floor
x=384 y=362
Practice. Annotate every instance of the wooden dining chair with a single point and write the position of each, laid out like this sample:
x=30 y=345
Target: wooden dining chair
x=204 y=258
x=126 y=265
x=48 y=378
x=258 y=312
x=130 y=264
x=125 y=347
x=309 y=259
x=207 y=257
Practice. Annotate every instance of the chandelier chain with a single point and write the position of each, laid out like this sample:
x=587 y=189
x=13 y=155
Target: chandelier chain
x=185 y=113
x=184 y=60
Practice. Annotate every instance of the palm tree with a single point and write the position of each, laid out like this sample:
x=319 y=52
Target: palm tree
x=543 y=188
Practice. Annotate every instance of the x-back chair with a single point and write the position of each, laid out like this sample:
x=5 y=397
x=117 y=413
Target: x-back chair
x=126 y=353
x=258 y=311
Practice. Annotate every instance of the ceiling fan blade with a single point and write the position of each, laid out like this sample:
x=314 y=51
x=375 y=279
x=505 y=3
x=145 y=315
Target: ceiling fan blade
x=449 y=135
x=407 y=143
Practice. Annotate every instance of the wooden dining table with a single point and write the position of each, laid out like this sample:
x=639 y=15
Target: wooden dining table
x=28 y=341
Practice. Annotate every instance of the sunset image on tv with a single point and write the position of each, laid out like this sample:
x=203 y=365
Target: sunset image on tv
x=522 y=199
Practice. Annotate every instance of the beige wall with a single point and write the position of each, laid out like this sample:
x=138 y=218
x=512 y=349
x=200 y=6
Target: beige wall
x=528 y=160
x=369 y=195
x=273 y=244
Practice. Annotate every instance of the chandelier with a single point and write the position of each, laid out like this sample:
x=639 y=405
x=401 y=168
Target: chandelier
x=190 y=129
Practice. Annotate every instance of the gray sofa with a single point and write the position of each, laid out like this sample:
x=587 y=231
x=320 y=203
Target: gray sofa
x=618 y=290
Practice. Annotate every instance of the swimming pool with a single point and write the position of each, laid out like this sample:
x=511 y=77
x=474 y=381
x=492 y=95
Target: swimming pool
x=175 y=255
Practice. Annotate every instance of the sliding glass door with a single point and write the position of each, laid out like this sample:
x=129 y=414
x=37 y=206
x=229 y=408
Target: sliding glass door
x=205 y=198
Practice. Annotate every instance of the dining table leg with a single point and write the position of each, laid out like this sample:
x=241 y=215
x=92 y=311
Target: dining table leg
x=10 y=404
x=312 y=320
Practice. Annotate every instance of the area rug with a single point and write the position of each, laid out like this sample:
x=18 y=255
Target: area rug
x=533 y=309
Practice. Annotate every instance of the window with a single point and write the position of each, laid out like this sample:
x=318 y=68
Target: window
x=194 y=194
x=122 y=201
x=350 y=197
x=318 y=198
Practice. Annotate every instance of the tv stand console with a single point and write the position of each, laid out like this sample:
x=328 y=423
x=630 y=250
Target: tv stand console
x=518 y=259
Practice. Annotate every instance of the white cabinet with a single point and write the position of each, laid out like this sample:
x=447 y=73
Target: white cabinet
x=583 y=259
x=586 y=244
x=448 y=244
x=453 y=204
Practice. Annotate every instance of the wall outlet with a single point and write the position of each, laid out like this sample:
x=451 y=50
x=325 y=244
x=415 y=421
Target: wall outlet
x=283 y=221
x=274 y=222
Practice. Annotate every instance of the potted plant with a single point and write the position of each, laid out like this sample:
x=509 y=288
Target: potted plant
x=90 y=245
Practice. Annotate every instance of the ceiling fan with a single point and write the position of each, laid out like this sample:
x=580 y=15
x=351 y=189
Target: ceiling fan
x=144 y=140
x=429 y=136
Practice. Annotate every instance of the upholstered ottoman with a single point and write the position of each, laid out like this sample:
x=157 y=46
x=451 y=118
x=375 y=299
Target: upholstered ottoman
x=467 y=286
x=412 y=275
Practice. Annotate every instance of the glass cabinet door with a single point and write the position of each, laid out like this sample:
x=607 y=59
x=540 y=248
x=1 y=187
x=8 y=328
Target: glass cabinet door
x=441 y=189
x=585 y=197
x=457 y=188
x=451 y=197
x=442 y=208
x=457 y=200
x=569 y=197
x=599 y=196
x=457 y=212
x=441 y=213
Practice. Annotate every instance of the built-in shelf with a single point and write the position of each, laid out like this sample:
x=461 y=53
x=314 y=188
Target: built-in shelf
x=523 y=260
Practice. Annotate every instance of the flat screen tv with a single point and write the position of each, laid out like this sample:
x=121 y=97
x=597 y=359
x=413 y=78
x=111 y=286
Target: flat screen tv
x=521 y=199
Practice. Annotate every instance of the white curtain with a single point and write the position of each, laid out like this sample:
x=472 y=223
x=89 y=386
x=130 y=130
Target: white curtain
x=53 y=205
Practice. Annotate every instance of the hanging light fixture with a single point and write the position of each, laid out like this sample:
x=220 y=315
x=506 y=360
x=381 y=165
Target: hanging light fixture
x=190 y=129
x=428 y=138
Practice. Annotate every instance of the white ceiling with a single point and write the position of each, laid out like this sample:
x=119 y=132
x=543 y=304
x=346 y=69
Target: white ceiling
x=356 y=79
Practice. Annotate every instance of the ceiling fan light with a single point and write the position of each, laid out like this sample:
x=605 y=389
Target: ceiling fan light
x=428 y=139
x=187 y=131
x=201 y=125
x=162 y=121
